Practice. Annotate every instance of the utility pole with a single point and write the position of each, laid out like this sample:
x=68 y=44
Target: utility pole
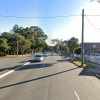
x=61 y=46
x=17 y=46
x=82 y=44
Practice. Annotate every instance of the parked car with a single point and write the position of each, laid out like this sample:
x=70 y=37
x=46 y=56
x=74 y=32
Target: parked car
x=38 y=58
x=97 y=55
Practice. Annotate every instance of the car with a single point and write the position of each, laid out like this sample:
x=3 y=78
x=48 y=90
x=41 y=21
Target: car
x=96 y=55
x=38 y=58
x=45 y=54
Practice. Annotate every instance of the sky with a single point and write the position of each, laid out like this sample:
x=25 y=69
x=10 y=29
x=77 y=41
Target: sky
x=49 y=15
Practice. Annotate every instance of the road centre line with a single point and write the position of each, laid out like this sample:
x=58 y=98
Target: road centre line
x=77 y=95
x=9 y=72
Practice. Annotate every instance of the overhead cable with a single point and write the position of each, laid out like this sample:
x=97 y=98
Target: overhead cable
x=40 y=17
x=91 y=23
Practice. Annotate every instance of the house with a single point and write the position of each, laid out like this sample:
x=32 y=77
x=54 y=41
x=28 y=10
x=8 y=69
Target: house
x=91 y=47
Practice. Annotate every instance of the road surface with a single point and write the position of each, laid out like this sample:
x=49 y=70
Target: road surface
x=53 y=79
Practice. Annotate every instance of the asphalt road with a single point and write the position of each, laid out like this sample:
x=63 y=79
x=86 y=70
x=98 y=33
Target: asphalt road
x=52 y=79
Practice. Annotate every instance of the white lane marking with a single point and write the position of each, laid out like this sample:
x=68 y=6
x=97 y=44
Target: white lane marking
x=1 y=76
x=59 y=64
x=18 y=67
x=27 y=63
x=9 y=72
x=77 y=95
x=55 y=57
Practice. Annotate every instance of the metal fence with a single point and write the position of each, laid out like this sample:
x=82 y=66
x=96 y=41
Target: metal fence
x=93 y=59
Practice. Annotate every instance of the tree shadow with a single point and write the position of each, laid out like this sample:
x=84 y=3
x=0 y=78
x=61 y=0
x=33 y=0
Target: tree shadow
x=14 y=67
x=86 y=72
x=36 y=65
x=62 y=60
x=37 y=78
x=11 y=68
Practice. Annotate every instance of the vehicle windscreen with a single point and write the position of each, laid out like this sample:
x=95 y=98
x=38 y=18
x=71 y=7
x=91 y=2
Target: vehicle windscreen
x=38 y=56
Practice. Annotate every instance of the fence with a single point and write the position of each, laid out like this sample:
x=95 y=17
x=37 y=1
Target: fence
x=93 y=59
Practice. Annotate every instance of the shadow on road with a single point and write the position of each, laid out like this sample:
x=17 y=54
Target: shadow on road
x=36 y=65
x=85 y=72
x=11 y=68
x=62 y=60
x=37 y=78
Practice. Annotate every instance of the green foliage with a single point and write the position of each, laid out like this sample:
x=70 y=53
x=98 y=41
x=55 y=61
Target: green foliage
x=38 y=33
x=73 y=43
x=5 y=35
x=78 y=51
x=3 y=45
x=28 y=38
x=24 y=45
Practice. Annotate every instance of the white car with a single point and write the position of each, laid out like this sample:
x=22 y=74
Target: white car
x=96 y=55
x=38 y=58
x=45 y=54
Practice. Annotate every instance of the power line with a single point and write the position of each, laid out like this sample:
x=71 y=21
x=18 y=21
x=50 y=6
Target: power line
x=93 y=15
x=48 y=16
x=40 y=17
x=91 y=23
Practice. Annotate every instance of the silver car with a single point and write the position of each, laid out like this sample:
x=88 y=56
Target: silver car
x=38 y=58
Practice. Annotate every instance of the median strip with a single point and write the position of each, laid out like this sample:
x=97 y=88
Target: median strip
x=9 y=72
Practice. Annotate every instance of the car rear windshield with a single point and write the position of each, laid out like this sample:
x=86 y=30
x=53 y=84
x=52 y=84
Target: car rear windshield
x=38 y=56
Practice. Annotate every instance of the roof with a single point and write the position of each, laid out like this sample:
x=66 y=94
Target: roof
x=92 y=46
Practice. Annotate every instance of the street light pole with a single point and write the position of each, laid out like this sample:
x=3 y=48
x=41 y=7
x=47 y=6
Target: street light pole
x=82 y=49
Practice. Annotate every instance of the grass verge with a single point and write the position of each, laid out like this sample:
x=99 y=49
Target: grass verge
x=78 y=63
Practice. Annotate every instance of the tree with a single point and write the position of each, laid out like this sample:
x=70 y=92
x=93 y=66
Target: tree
x=78 y=51
x=17 y=29
x=32 y=38
x=73 y=44
x=3 y=46
x=57 y=43
x=24 y=45
x=5 y=35
x=38 y=32
x=65 y=46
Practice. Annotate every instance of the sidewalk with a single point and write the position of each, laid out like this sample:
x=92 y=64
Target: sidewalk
x=93 y=70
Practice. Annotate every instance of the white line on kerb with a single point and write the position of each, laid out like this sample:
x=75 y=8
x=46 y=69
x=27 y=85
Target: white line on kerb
x=5 y=74
x=77 y=95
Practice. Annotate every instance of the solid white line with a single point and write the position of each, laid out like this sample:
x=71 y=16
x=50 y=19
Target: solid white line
x=77 y=95
x=5 y=74
x=27 y=63
x=1 y=76
x=59 y=64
